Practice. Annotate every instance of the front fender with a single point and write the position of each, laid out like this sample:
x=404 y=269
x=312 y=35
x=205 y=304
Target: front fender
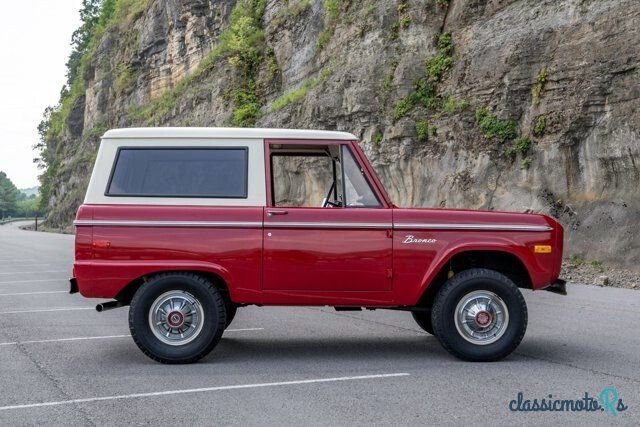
x=539 y=273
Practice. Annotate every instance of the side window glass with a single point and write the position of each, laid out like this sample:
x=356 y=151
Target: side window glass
x=358 y=192
x=305 y=180
x=180 y=172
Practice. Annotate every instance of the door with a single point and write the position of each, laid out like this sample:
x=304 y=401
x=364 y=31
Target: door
x=325 y=229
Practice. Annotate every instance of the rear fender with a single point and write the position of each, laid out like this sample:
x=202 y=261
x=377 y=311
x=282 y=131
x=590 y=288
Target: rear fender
x=107 y=279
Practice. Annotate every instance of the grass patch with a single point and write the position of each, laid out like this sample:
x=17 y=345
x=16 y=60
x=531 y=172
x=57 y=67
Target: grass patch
x=598 y=266
x=296 y=95
x=577 y=260
x=292 y=12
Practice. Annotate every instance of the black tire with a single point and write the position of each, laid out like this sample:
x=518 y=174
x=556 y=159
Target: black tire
x=213 y=325
x=423 y=319
x=455 y=291
x=231 y=313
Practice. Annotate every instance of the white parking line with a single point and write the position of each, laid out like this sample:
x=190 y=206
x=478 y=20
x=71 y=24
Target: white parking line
x=105 y=337
x=36 y=280
x=23 y=263
x=33 y=293
x=45 y=310
x=203 y=390
x=64 y=339
x=35 y=272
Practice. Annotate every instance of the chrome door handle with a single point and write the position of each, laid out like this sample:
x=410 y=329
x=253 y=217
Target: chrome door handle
x=277 y=212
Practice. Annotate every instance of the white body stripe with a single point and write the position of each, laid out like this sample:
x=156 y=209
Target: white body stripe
x=341 y=225
x=480 y=227
x=327 y=225
x=188 y=224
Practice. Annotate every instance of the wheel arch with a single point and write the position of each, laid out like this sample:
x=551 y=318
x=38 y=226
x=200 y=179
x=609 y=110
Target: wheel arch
x=126 y=294
x=498 y=260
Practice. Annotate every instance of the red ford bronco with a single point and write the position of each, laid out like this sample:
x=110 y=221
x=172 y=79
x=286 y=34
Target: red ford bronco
x=188 y=225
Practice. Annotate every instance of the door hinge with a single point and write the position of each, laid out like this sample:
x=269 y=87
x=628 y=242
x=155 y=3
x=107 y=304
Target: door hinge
x=389 y=273
x=390 y=234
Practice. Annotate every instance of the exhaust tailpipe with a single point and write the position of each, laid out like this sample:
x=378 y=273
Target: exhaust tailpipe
x=109 y=305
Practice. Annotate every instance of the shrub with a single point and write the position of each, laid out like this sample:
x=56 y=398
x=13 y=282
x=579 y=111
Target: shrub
x=452 y=105
x=426 y=88
x=443 y=60
x=598 y=266
x=538 y=88
x=540 y=126
x=522 y=145
x=494 y=128
x=332 y=9
x=125 y=79
x=423 y=129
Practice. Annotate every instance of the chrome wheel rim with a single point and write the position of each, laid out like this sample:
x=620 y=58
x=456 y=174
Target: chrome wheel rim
x=481 y=317
x=176 y=318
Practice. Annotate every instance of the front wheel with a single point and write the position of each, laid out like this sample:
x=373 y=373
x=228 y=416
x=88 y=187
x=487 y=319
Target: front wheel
x=177 y=317
x=479 y=315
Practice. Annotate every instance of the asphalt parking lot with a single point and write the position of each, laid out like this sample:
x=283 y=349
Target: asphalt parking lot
x=63 y=363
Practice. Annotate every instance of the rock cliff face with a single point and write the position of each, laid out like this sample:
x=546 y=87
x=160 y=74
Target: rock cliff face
x=484 y=104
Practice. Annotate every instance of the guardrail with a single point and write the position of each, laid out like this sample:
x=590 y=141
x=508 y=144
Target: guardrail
x=10 y=220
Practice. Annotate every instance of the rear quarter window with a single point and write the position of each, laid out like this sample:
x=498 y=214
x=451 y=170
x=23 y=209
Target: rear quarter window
x=180 y=172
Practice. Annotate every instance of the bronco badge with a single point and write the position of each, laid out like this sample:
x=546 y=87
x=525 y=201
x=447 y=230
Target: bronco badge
x=410 y=239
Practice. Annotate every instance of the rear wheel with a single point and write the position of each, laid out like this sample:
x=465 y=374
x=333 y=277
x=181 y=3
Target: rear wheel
x=479 y=315
x=177 y=317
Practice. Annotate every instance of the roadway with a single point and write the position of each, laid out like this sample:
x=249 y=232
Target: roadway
x=63 y=363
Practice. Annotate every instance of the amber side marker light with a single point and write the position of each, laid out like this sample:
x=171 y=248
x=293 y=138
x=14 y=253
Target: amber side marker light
x=542 y=249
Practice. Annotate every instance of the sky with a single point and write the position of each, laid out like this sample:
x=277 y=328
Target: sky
x=35 y=38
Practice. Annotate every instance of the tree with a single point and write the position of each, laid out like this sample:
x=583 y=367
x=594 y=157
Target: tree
x=90 y=16
x=8 y=196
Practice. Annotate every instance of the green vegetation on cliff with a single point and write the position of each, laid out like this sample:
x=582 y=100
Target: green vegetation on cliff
x=242 y=44
x=425 y=91
x=97 y=17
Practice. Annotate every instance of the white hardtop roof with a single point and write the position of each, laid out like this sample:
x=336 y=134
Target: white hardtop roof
x=229 y=133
